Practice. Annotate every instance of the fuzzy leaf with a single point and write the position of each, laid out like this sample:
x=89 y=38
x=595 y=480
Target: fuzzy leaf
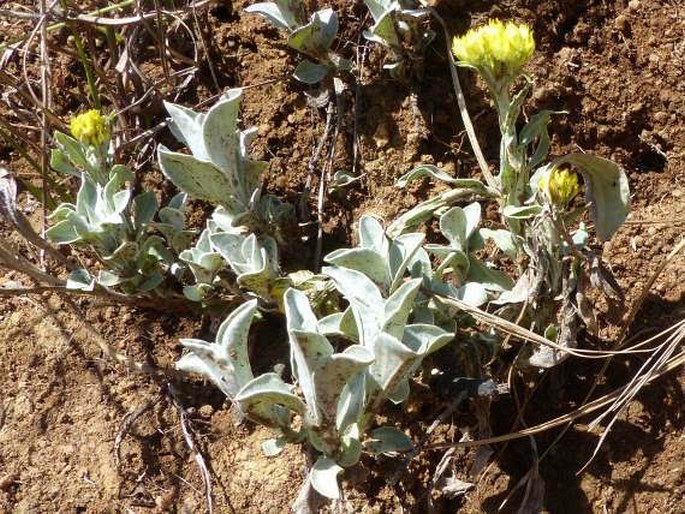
x=398 y=307
x=365 y=260
x=316 y=37
x=311 y=73
x=364 y=297
x=606 y=188
x=332 y=376
x=324 y=477
x=225 y=362
x=200 y=179
x=386 y=440
x=264 y=398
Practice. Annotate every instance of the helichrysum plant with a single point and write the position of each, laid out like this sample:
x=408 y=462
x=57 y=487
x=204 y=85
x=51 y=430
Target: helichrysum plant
x=388 y=328
x=402 y=27
x=539 y=199
x=135 y=242
x=243 y=231
x=313 y=39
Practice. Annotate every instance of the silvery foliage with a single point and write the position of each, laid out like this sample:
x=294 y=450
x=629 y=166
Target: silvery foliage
x=400 y=26
x=313 y=39
x=335 y=394
x=136 y=242
x=560 y=266
x=220 y=171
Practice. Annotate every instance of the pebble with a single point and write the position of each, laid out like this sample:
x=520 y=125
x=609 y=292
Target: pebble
x=633 y=5
x=7 y=480
x=206 y=411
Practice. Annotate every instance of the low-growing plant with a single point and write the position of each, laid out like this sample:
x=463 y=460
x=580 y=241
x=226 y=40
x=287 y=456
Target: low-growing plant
x=389 y=327
x=245 y=226
x=313 y=39
x=137 y=252
x=535 y=195
x=402 y=27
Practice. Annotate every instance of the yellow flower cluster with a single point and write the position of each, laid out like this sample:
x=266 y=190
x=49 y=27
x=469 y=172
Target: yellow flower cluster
x=91 y=128
x=497 y=50
x=560 y=185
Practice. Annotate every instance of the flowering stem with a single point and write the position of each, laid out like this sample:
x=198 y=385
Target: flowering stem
x=490 y=179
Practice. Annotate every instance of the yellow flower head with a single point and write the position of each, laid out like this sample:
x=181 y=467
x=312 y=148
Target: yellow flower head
x=497 y=50
x=560 y=185
x=91 y=128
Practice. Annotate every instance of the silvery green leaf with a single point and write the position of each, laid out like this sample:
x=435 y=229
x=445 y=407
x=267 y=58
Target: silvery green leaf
x=151 y=282
x=226 y=361
x=178 y=201
x=536 y=129
x=86 y=198
x=351 y=402
x=504 y=240
x=330 y=325
x=491 y=278
x=580 y=237
x=384 y=31
x=388 y=440
x=63 y=233
x=60 y=162
x=398 y=307
x=339 y=324
x=120 y=201
x=219 y=136
x=108 y=279
x=606 y=188
x=472 y=213
x=364 y=297
x=316 y=37
x=350 y=447
x=308 y=72
x=425 y=210
x=426 y=339
x=264 y=399
x=285 y=14
x=173 y=217
x=331 y=376
x=400 y=254
x=80 y=280
x=436 y=173
x=324 y=477
x=372 y=235
x=200 y=179
x=309 y=351
x=121 y=173
x=343 y=179
x=365 y=260
x=523 y=212
x=229 y=245
x=401 y=391
x=453 y=226
x=144 y=208
x=197 y=292
x=472 y=293
x=377 y=8
x=186 y=125
x=73 y=150
x=272 y=447
x=392 y=361
x=125 y=252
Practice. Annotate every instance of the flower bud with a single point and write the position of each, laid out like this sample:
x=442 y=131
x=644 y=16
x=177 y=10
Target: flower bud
x=560 y=186
x=91 y=128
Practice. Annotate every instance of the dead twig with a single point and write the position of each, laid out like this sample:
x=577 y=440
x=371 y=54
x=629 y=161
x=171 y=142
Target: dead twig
x=190 y=442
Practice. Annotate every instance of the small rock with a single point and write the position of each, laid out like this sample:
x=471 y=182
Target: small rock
x=7 y=480
x=633 y=5
x=206 y=411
